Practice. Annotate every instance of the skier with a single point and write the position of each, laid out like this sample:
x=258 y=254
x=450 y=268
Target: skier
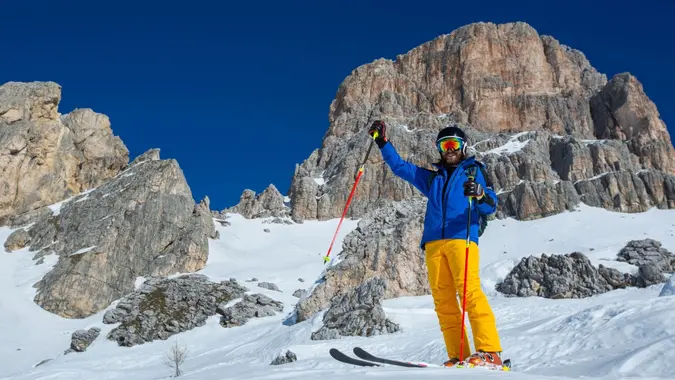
x=444 y=239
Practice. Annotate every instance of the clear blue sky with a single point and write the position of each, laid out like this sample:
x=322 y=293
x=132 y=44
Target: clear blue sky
x=239 y=94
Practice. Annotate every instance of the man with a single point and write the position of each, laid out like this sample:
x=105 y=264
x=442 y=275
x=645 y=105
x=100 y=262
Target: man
x=444 y=239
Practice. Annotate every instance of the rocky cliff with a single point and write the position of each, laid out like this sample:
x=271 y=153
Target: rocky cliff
x=46 y=157
x=141 y=223
x=68 y=190
x=552 y=129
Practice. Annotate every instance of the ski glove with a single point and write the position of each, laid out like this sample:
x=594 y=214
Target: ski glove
x=377 y=132
x=474 y=189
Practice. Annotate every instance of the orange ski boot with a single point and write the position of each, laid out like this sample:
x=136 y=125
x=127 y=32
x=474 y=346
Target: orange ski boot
x=487 y=359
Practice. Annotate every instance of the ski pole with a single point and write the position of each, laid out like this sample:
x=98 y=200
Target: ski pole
x=359 y=173
x=466 y=270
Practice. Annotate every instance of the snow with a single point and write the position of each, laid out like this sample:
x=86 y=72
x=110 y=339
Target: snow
x=82 y=250
x=625 y=333
x=513 y=145
x=320 y=180
x=594 y=177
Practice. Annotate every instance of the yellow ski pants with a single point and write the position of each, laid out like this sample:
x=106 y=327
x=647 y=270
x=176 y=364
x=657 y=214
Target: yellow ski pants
x=445 y=265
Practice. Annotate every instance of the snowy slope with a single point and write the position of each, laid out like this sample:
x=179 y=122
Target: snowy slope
x=624 y=333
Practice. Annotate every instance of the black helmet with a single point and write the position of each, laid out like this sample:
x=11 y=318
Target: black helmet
x=451 y=131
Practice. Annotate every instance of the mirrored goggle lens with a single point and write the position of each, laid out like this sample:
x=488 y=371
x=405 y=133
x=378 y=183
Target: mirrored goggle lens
x=450 y=144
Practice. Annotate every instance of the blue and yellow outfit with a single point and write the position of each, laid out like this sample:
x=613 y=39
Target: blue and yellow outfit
x=444 y=242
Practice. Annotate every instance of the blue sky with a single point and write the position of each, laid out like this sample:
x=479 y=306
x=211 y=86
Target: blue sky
x=239 y=93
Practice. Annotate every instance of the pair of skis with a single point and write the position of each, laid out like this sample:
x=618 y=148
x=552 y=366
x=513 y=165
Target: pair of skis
x=369 y=360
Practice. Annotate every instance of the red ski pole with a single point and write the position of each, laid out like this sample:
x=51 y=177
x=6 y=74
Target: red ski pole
x=466 y=271
x=326 y=258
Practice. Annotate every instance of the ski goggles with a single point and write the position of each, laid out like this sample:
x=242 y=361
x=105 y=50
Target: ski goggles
x=446 y=144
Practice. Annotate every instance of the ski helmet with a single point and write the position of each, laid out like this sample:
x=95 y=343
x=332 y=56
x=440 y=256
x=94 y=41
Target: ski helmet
x=451 y=131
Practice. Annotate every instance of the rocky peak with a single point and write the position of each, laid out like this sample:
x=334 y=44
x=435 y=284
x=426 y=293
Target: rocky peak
x=551 y=128
x=36 y=101
x=269 y=203
x=622 y=111
x=46 y=157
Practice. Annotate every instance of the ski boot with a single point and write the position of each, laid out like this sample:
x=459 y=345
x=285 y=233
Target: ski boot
x=492 y=360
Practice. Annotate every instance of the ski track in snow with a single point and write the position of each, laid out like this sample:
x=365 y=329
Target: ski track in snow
x=621 y=334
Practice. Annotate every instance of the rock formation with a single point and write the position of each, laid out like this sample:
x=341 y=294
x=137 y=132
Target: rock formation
x=162 y=307
x=648 y=251
x=141 y=223
x=269 y=203
x=357 y=313
x=573 y=275
x=17 y=240
x=46 y=157
x=81 y=339
x=288 y=357
x=560 y=276
x=251 y=306
x=552 y=129
x=385 y=244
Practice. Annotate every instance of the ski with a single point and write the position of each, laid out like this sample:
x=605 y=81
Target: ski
x=363 y=354
x=369 y=360
x=342 y=357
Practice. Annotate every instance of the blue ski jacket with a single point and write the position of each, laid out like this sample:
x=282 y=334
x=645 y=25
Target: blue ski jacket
x=447 y=207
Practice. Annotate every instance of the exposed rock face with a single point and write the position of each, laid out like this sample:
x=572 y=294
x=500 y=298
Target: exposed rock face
x=357 y=313
x=81 y=339
x=648 y=251
x=142 y=223
x=17 y=240
x=623 y=111
x=289 y=357
x=46 y=157
x=268 y=285
x=269 y=203
x=588 y=139
x=251 y=306
x=573 y=275
x=560 y=276
x=386 y=245
x=164 y=307
x=149 y=155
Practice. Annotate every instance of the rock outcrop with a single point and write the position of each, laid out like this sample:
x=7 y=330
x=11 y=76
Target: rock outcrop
x=163 y=307
x=46 y=157
x=560 y=276
x=552 y=129
x=81 y=339
x=251 y=306
x=573 y=275
x=17 y=240
x=648 y=251
x=141 y=223
x=288 y=357
x=385 y=244
x=357 y=313
x=269 y=203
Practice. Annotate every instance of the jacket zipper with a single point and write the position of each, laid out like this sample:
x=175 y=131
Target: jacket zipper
x=443 y=198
